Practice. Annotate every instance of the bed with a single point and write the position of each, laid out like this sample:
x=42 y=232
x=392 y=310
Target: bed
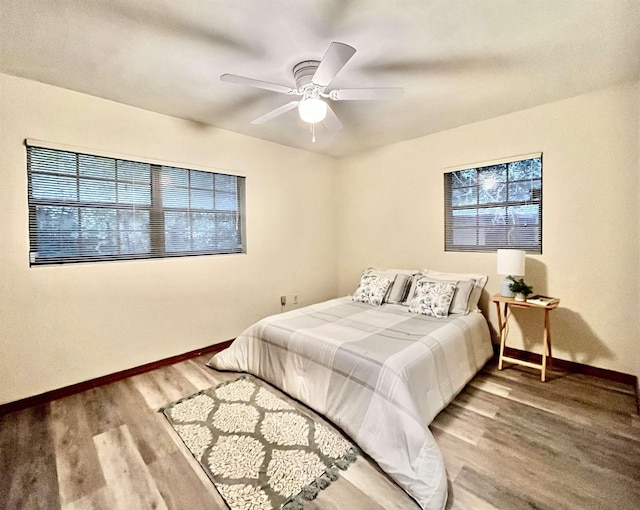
x=378 y=371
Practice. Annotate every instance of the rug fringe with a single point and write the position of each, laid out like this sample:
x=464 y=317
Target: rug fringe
x=330 y=474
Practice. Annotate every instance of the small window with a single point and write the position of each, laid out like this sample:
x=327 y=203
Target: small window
x=495 y=205
x=85 y=208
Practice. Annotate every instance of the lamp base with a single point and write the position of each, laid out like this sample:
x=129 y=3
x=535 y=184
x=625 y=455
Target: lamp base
x=504 y=288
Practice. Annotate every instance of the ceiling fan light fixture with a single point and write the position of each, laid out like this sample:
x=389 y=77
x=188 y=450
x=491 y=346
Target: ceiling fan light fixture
x=312 y=110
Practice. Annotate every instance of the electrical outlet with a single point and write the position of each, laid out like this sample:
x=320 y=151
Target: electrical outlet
x=283 y=300
x=295 y=299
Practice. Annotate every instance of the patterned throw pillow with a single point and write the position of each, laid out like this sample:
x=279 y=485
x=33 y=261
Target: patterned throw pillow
x=400 y=282
x=432 y=298
x=460 y=301
x=372 y=289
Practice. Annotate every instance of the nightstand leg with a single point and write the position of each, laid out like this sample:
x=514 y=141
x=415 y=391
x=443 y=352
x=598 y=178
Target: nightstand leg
x=546 y=346
x=503 y=332
x=499 y=317
x=547 y=328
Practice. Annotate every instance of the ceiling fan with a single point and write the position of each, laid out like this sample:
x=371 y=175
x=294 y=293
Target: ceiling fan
x=312 y=78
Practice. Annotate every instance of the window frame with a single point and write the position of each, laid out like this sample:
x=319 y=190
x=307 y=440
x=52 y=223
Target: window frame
x=155 y=229
x=449 y=208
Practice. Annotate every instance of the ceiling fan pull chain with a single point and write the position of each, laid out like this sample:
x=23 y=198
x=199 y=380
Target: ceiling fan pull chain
x=313 y=133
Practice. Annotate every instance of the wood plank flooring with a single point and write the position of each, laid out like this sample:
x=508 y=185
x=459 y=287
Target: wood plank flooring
x=509 y=442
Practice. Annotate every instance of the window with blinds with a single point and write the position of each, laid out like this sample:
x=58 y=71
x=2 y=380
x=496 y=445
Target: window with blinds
x=84 y=207
x=497 y=205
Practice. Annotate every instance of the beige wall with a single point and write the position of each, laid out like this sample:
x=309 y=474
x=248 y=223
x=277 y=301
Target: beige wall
x=391 y=214
x=313 y=224
x=66 y=324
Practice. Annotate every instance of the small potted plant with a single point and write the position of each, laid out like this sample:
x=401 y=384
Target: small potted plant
x=520 y=289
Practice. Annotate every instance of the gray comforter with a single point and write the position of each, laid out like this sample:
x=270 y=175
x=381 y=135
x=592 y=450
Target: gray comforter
x=380 y=373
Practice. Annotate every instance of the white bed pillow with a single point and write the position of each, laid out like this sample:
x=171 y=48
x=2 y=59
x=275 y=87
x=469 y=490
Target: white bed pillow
x=400 y=282
x=432 y=298
x=460 y=302
x=372 y=289
x=480 y=280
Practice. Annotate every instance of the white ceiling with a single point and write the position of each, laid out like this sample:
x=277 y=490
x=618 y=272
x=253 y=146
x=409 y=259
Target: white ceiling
x=459 y=61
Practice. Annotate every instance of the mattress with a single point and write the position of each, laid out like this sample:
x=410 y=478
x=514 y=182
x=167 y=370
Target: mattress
x=380 y=373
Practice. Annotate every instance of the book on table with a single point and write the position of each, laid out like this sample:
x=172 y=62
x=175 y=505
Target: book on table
x=541 y=300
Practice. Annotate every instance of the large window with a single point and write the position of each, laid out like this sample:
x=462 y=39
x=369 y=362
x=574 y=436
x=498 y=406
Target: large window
x=497 y=205
x=84 y=207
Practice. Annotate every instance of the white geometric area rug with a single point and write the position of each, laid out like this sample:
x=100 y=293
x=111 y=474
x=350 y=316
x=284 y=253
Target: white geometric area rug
x=261 y=452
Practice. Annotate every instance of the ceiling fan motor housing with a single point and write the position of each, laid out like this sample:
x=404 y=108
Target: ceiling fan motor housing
x=303 y=73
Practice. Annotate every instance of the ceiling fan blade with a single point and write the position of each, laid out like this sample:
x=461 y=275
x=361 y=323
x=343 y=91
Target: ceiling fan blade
x=334 y=59
x=331 y=121
x=242 y=80
x=375 y=94
x=275 y=113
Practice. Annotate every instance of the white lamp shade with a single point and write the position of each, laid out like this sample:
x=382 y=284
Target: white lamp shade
x=312 y=110
x=511 y=262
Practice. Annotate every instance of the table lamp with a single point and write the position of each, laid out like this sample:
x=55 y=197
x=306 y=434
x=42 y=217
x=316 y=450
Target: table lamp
x=510 y=263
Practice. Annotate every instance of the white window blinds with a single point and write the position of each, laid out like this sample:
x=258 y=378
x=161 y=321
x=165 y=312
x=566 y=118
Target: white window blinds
x=495 y=205
x=85 y=207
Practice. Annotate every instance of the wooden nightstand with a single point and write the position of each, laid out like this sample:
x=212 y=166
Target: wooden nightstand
x=503 y=317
